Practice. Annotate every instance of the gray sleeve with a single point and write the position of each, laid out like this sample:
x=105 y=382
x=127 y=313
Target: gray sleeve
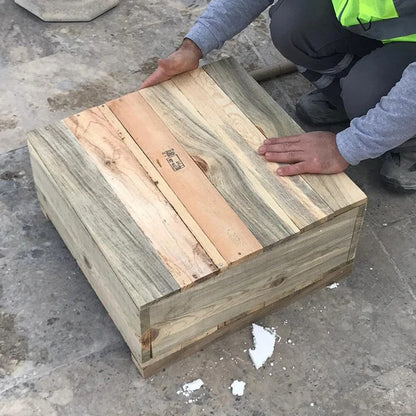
x=388 y=125
x=222 y=20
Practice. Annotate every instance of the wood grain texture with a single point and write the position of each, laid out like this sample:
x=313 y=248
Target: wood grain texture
x=163 y=187
x=300 y=202
x=285 y=269
x=114 y=296
x=217 y=219
x=357 y=231
x=123 y=244
x=338 y=191
x=176 y=246
x=231 y=165
x=154 y=365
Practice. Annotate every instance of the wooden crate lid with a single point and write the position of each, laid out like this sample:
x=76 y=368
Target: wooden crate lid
x=179 y=162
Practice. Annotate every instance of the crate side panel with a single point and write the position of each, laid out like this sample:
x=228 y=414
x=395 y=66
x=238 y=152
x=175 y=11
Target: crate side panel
x=276 y=273
x=90 y=259
x=156 y=364
x=357 y=231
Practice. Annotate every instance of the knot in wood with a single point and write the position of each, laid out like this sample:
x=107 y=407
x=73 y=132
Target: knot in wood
x=148 y=337
x=277 y=282
x=202 y=164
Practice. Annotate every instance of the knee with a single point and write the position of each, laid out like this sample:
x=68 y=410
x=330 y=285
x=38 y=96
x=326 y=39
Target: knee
x=285 y=23
x=291 y=24
x=361 y=91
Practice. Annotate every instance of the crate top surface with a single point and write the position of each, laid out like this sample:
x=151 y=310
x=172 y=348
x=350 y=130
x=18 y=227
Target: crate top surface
x=169 y=184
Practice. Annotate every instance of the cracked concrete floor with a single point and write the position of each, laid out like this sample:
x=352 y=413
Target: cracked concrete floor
x=351 y=350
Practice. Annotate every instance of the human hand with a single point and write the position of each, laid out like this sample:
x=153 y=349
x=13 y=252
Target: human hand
x=314 y=152
x=186 y=58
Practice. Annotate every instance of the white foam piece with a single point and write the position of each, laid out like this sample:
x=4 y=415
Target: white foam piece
x=237 y=387
x=264 y=340
x=189 y=388
x=333 y=286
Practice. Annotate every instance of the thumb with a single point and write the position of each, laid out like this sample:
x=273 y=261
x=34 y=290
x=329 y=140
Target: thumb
x=157 y=77
x=294 y=169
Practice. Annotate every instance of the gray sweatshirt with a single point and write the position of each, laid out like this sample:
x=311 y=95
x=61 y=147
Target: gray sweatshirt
x=389 y=124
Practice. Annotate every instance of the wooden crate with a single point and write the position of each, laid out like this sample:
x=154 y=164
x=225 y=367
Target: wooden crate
x=182 y=229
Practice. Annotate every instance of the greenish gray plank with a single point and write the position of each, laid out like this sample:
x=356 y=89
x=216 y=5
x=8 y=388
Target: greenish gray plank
x=251 y=98
x=333 y=191
x=241 y=177
x=299 y=201
x=116 y=234
x=113 y=295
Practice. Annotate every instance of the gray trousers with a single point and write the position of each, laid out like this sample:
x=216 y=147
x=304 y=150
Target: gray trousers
x=349 y=69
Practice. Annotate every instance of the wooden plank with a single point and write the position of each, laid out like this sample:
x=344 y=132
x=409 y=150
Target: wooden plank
x=118 y=237
x=217 y=219
x=156 y=364
x=163 y=187
x=287 y=268
x=220 y=152
x=300 y=202
x=181 y=253
x=357 y=231
x=145 y=335
x=89 y=257
x=337 y=190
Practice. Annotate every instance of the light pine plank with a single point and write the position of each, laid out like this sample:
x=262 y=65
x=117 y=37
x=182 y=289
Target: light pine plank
x=171 y=239
x=115 y=233
x=337 y=190
x=114 y=296
x=277 y=273
x=303 y=206
x=158 y=180
x=217 y=219
x=228 y=161
x=163 y=187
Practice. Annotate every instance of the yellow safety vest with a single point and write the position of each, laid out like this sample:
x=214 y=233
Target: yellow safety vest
x=385 y=20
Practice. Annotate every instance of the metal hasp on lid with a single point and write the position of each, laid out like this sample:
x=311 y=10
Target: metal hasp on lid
x=67 y=10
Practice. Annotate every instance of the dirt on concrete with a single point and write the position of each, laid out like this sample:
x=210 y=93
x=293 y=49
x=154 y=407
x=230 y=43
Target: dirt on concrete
x=13 y=346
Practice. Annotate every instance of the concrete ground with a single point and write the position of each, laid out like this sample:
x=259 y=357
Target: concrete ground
x=345 y=351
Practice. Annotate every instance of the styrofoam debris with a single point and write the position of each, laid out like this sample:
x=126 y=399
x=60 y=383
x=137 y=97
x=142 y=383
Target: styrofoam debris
x=237 y=387
x=189 y=388
x=264 y=340
x=333 y=286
